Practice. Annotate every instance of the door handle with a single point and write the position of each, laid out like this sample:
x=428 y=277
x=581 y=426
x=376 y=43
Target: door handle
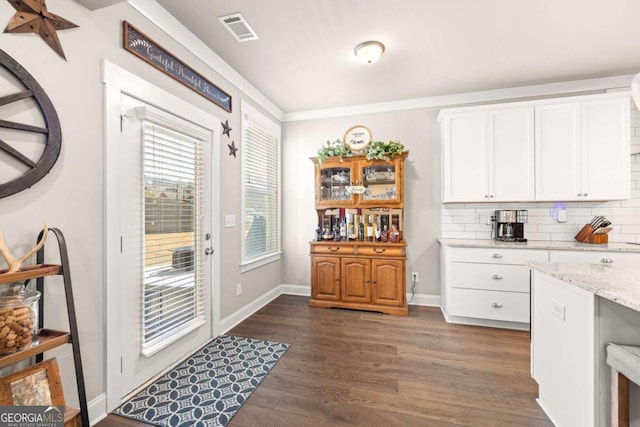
x=496 y=277
x=208 y=251
x=497 y=256
x=379 y=250
x=606 y=260
x=496 y=305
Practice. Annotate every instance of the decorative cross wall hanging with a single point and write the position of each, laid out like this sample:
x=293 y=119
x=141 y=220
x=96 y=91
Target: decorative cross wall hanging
x=32 y=16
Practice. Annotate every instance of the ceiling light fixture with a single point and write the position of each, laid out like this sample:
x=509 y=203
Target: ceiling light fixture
x=370 y=51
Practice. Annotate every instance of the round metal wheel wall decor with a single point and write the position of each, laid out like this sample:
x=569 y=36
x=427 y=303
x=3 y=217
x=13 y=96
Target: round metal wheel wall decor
x=30 y=134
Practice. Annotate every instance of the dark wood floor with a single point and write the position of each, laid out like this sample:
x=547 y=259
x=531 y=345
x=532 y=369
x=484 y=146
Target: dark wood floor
x=357 y=368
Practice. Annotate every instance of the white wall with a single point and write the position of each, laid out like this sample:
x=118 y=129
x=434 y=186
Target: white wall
x=70 y=197
x=419 y=131
x=467 y=220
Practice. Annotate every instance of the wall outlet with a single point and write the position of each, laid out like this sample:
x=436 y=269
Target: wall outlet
x=558 y=310
x=238 y=289
x=414 y=277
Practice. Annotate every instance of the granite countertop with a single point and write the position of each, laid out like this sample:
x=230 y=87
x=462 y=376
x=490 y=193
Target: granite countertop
x=617 y=283
x=540 y=244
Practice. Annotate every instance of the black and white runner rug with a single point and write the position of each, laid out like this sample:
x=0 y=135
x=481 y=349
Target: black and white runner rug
x=208 y=388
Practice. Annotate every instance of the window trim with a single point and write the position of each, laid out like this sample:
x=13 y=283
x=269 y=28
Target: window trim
x=249 y=113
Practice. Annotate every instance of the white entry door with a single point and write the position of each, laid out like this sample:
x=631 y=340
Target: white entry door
x=165 y=225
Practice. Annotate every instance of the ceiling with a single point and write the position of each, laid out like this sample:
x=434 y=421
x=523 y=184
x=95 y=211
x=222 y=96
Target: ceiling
x=304 y=58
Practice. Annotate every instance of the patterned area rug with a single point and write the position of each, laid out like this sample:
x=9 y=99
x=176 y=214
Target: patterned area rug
x=209 y=387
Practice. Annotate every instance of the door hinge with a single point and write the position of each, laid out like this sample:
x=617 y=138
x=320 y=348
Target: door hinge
x=120 y=244
x=121 y=365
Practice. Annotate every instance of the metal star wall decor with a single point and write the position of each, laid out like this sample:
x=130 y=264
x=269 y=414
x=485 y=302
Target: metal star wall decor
x=232 y=148
x=226 y=129
x=32 y=16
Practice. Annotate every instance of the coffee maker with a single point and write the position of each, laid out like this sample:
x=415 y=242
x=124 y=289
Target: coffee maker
x=508 y=225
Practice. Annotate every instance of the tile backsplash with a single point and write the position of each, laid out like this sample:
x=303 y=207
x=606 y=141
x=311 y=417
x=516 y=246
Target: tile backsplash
x=469 y=220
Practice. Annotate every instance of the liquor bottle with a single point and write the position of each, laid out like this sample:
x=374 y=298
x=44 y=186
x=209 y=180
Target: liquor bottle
x=351 y=233
x=360 y=231
x=383 y=234
x=318 y=233
x=395 y=234
x=369 y=229
x=343 y=229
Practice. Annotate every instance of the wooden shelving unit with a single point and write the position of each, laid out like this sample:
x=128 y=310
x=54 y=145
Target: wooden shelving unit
x=49 y=339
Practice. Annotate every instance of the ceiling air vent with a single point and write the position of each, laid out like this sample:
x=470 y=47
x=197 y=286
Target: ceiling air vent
x=239 y=27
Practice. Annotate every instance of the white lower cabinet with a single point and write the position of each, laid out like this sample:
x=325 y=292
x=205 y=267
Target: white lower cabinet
x=570 y=330
x=562 y=350
x=487 y=286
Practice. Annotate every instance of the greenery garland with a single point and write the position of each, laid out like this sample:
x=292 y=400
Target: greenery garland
x=376 y=150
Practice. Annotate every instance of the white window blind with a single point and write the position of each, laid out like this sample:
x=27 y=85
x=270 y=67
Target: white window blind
x=173 y=279
x=261 y=176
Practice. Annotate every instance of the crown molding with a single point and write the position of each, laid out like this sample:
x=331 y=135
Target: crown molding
x=549 y=89
x=170 y=25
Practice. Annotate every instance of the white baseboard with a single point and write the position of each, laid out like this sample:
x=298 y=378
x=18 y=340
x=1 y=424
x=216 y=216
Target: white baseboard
x=97 y=409
x=300 y=290
x=424 y=299
x=238 y=316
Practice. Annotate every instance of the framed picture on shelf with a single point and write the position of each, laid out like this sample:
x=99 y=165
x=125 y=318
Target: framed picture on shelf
x=37 y=385
x=357 y=137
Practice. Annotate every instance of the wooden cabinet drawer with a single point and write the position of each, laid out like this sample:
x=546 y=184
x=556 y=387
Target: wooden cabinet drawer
x=336 y=249
x=494 y=305
x=496 y=277
x=395 y=251
x=498 y=255
x=595 y=257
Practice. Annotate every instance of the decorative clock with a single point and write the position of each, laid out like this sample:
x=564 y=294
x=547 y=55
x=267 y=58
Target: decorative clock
x=358 y=138
x=28 y=151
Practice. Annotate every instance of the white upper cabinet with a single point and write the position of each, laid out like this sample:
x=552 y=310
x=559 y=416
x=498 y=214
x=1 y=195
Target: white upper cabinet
x=465 y=157
x=606 y=146
x=558 y=152
x=549 y=150
x=488 y=156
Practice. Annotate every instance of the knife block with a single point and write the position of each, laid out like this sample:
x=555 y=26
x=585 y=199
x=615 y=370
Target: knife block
x=584 y=233
x=598 y=238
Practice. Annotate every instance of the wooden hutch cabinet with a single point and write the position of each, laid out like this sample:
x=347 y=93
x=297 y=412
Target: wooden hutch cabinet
x=359 y=269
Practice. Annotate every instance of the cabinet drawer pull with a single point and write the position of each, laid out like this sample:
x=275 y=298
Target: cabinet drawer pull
x=497 y=256
x=496 y=277
x=606 y=260
x=379 y=250
x=337 y=248
x=496 y=305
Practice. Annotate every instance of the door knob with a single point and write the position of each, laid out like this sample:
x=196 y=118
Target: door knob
x=208 y=251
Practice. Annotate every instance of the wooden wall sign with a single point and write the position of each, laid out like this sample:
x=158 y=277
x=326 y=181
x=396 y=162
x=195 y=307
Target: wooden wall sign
x=145 y=48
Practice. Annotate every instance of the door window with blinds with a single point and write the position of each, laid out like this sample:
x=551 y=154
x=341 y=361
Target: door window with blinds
x=260 y=188
x=172 y=205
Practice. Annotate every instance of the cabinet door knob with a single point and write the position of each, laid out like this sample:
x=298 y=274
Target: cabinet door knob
x=585 y=194
x=579 y=194
x=336 y=249
x=491 y=196
x=496 y=277
x=606 y=260
x=496 y=305
x=497 y=256
x=379 y=250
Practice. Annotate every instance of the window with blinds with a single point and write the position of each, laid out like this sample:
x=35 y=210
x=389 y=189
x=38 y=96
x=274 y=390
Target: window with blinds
x=261 y=183
x=172 y=273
